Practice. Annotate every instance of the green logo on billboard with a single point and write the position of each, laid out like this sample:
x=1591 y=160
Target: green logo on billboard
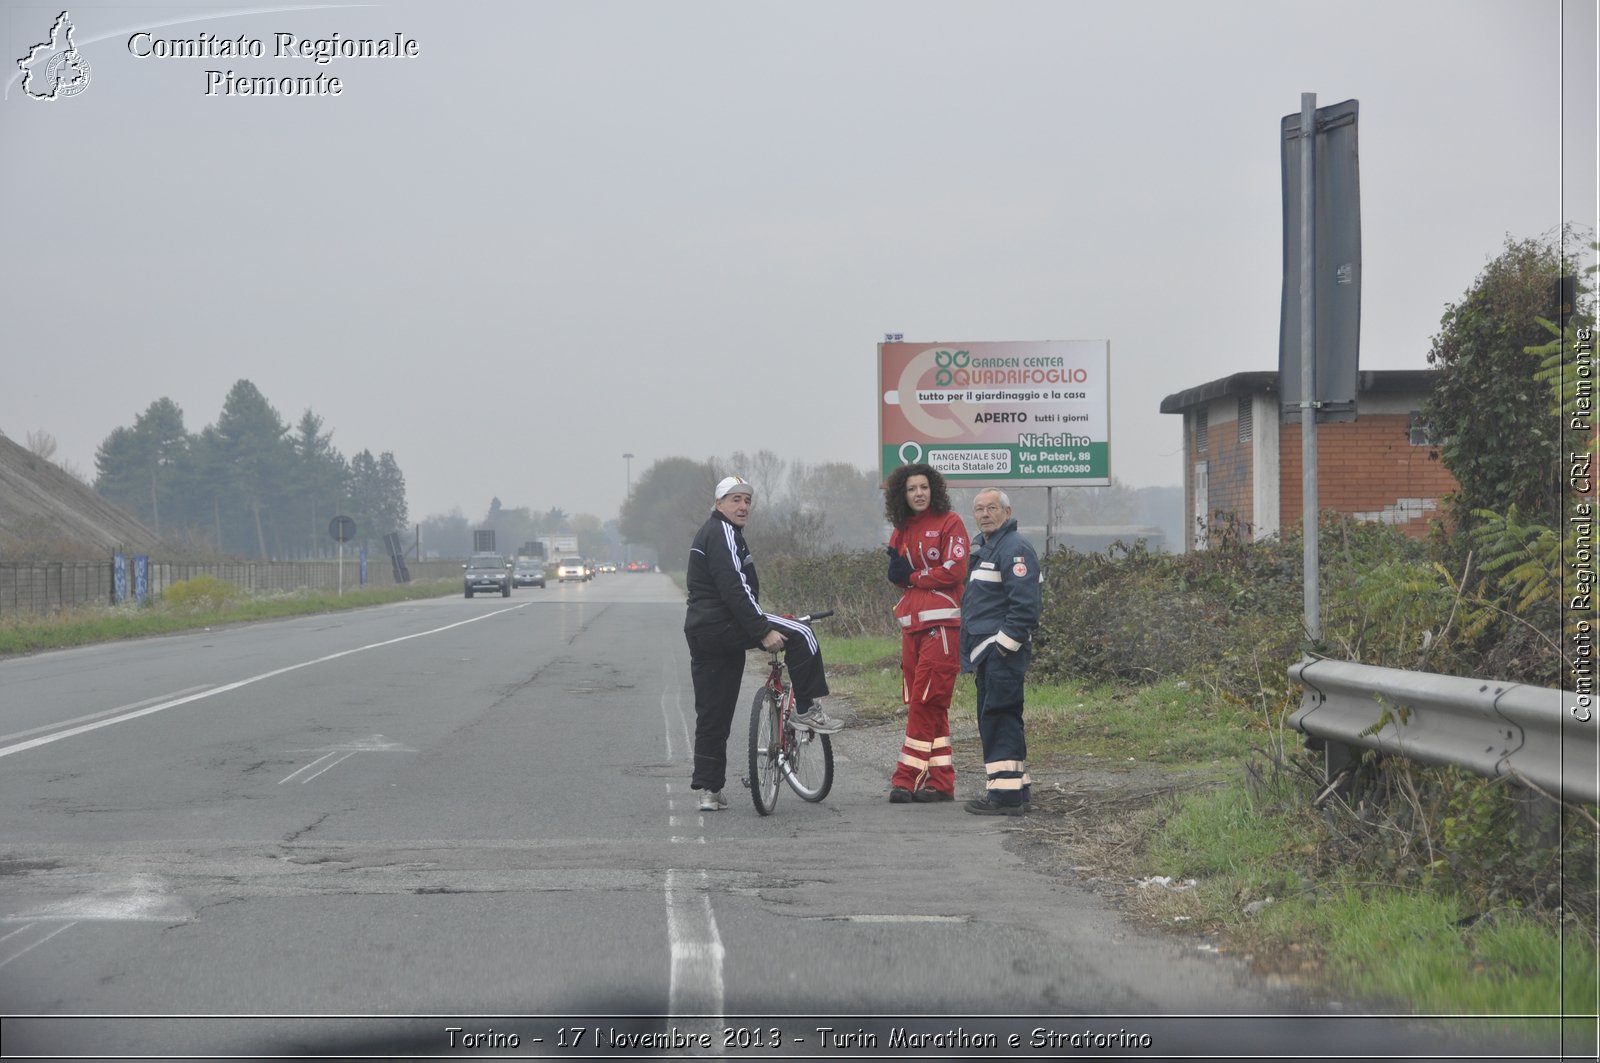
x=946 y=361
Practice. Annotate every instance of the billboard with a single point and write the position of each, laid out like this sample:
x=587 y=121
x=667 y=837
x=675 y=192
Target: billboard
x=1001 y=413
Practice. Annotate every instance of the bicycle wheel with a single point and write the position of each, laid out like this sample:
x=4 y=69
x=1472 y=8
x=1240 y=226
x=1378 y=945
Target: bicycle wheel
x=764 y=770
x=809 y=765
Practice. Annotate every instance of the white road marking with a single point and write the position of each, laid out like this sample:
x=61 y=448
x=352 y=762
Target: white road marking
x=33 y=743
x=696 y=987
x=683 y=718
x=103 y=712
x=342 y=758
x=375 y=744
x=30 y=947
x=666 y=719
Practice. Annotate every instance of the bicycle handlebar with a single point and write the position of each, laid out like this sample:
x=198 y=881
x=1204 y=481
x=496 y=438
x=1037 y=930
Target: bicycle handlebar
x=821 y=615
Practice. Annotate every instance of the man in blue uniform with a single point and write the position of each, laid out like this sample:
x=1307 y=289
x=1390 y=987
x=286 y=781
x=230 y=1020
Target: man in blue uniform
x=999 y=613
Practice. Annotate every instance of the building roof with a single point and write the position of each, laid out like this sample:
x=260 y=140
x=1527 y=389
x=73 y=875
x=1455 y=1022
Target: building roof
x=1373 y=382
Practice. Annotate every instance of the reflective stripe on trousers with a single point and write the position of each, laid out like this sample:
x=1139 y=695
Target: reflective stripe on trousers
x=929 y=664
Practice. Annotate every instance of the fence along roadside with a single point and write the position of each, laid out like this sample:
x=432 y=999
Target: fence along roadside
x=44 y=586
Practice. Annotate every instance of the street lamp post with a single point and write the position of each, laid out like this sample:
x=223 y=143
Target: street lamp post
x=628 y=469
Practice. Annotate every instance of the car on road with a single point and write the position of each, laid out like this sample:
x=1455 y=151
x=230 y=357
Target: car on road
x=571 y=568
x=488 y=572
x=527 y=573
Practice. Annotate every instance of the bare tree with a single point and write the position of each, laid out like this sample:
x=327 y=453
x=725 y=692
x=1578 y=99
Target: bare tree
x=1116 y=503
x=41 y=444
x=764 y=469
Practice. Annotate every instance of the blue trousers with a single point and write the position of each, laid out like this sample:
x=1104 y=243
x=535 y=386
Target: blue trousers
x=1005 y=748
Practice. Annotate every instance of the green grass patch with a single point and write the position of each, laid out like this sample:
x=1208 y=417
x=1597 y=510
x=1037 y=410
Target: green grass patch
x=1223 y=833
x=1170 y=722
x=1421 y=951
x=866 y=669
x=195 y=607
x=849 y=655
x=1414 y=950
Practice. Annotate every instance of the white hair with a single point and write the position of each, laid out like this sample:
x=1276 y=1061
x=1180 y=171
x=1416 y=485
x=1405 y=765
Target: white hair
x=1005 y=500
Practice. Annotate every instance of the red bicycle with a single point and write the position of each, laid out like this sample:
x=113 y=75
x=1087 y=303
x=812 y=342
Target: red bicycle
x=779 y=750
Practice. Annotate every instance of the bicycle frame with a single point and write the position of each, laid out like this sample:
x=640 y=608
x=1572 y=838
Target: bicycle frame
x=785 y=699
x=779 y=752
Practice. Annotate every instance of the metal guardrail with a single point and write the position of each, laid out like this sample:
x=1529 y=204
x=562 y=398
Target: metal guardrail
x=1546 y=736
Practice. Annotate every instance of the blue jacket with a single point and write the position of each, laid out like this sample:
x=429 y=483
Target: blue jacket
x=1000 y=608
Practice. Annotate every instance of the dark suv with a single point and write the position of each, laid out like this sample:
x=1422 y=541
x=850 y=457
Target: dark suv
x=488 y=572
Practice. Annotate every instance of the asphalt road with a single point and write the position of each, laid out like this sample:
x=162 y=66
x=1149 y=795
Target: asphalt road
x=475 y=815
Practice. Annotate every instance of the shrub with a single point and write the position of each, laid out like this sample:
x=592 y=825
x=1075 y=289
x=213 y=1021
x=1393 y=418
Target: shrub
x=1225 y=616
x=853 y=585
x=201 y=594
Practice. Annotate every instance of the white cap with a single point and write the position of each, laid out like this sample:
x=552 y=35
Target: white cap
x=729 y=484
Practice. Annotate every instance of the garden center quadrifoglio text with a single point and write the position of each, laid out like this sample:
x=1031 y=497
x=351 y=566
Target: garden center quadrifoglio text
x=319 y=50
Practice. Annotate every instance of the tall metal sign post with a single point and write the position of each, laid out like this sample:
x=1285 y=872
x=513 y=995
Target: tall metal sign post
x=343 y=529
x=1320 y=323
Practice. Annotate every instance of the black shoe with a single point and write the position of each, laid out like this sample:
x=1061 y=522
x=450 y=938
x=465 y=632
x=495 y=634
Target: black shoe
x=982 y=806
x=928 y=797
x=901 y=796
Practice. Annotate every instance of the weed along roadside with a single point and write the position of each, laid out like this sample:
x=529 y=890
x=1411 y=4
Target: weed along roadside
x=191 y=604
x=1166 y=779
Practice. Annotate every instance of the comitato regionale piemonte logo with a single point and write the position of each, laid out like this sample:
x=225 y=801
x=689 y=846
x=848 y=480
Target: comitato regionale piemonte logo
x=55 y=69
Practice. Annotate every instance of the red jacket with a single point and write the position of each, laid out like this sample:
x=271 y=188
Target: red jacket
x=936 y=545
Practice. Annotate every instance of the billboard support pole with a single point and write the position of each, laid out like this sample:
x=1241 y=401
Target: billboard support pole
x=1310 y=530
x=1049 y=517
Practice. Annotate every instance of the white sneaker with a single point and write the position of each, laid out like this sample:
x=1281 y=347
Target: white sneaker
x=815 y=720
x=712 y=801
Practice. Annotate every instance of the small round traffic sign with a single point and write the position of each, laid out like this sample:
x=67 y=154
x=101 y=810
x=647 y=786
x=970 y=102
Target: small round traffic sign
x=342 y=528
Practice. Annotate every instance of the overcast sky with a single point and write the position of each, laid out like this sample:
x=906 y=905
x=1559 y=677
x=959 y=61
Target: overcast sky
x=565 y=230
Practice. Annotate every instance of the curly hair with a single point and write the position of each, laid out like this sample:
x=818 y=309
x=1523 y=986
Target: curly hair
x=895 y=506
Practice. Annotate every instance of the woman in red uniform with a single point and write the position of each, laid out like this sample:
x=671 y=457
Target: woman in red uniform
x=928 y=557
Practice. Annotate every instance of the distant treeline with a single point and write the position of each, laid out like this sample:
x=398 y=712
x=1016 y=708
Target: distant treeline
x=249 y=485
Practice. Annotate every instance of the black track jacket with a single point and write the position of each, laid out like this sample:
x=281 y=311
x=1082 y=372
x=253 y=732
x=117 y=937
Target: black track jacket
x=723 y=589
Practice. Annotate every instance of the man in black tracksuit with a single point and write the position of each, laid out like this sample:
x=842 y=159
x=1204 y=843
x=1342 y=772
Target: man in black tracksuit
x=999 y=612
x=724 y=620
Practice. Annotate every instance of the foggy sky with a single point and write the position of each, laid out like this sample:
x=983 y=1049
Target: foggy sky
x=569 y=230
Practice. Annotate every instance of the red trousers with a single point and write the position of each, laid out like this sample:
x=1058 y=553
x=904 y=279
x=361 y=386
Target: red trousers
x=930 y=660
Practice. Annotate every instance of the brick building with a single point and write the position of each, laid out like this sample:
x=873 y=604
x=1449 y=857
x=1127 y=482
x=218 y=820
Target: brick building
x=1241 y=463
